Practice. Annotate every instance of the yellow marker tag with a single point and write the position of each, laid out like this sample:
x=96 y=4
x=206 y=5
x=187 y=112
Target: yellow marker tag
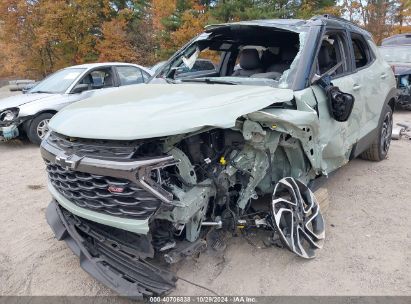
x=223 y=161
x=273 y=126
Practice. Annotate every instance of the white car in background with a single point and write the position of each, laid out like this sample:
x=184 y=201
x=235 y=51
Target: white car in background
x=30 y=113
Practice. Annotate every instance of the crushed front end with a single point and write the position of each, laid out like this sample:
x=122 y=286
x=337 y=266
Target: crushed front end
x=103 y=200
x=130 y=209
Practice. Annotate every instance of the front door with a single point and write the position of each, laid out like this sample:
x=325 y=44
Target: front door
x=337 y=138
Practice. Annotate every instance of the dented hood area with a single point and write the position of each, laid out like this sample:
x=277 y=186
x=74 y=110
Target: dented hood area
x=155 y=110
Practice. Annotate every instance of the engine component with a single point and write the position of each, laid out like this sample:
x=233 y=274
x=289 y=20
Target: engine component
x=297 y=217
x=216 y=240
x=184 y=250
x=162 y=236
x=400 y=131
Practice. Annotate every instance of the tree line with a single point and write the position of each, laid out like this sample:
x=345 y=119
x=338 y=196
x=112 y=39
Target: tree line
x=38 y=37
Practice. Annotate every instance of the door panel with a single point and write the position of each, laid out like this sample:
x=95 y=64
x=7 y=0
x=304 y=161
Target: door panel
x=337 y=138
x=370 y=76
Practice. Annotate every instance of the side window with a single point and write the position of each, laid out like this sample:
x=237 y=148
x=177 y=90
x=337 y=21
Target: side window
x=129 y=75
x=362 y=55
x=333 y=55
x=99 y=78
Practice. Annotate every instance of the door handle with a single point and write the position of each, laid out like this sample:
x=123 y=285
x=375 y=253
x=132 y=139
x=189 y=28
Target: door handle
x=356 y=87
x=383 y=76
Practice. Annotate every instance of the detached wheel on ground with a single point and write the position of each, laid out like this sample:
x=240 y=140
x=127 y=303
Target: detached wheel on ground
x=379 y=148
x=38 y=128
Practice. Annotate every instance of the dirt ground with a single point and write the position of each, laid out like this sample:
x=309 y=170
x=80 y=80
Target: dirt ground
x=367 y=249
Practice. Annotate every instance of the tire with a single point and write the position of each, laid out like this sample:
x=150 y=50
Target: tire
x=38 y=128
x=379 y=148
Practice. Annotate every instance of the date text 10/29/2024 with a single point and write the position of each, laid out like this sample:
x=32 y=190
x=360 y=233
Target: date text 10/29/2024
x=203 y=299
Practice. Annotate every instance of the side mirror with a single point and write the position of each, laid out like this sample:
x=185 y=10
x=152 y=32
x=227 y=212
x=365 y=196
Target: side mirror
x=80 y=87
x=340 y=104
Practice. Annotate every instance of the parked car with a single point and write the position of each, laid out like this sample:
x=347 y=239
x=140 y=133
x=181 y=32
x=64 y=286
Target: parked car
x=399 y=39
x=147 y=175
x=31 y=112
x=399 y=57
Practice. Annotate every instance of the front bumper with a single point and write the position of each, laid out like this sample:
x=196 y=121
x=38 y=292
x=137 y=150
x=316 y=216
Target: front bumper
x=108 y=260
x=8 y=132
x=135 y=171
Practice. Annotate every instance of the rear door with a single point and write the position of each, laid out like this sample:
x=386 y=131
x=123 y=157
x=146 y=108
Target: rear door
x=370 y=77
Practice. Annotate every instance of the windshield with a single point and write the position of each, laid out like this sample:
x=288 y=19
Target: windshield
x=246 y=55
x=396 y=54
x=58 y=82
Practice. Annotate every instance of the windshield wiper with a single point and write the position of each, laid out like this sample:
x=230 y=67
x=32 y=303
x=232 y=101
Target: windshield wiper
x=209 y=81
x=45 y=92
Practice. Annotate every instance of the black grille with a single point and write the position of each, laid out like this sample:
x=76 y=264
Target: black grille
x=91 y=191
x=100 y=148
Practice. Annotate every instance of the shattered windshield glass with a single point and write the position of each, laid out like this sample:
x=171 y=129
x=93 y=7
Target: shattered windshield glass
x=246 y=55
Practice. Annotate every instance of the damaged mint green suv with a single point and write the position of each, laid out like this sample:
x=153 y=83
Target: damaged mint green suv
x=147 y=175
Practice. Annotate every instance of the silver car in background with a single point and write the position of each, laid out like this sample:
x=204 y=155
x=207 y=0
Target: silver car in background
x=30 y=113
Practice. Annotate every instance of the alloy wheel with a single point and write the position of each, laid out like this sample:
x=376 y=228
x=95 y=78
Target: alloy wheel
x=43 y=128
x=297 y=217
x=386 y=131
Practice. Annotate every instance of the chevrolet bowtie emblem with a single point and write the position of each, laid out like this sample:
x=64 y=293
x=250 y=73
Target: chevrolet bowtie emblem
x=68 y=162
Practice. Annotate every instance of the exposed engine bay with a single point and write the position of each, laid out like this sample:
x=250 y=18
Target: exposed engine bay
x=194 y=186
x=216 y=176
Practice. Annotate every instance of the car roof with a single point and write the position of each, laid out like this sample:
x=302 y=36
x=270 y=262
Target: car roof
x=398 y=39
x=294 y=24
x=102 y=64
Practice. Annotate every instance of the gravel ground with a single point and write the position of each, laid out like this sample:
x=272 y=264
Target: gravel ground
x=367 y=250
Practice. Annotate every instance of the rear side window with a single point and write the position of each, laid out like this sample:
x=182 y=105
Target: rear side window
x=362 y=54
x=129 y=75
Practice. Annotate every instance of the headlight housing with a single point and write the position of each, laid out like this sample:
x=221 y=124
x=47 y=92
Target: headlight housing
x=9 y=114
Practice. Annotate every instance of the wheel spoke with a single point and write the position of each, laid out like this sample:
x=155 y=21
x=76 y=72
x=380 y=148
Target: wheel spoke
x=42 y=128
x=297 y=217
